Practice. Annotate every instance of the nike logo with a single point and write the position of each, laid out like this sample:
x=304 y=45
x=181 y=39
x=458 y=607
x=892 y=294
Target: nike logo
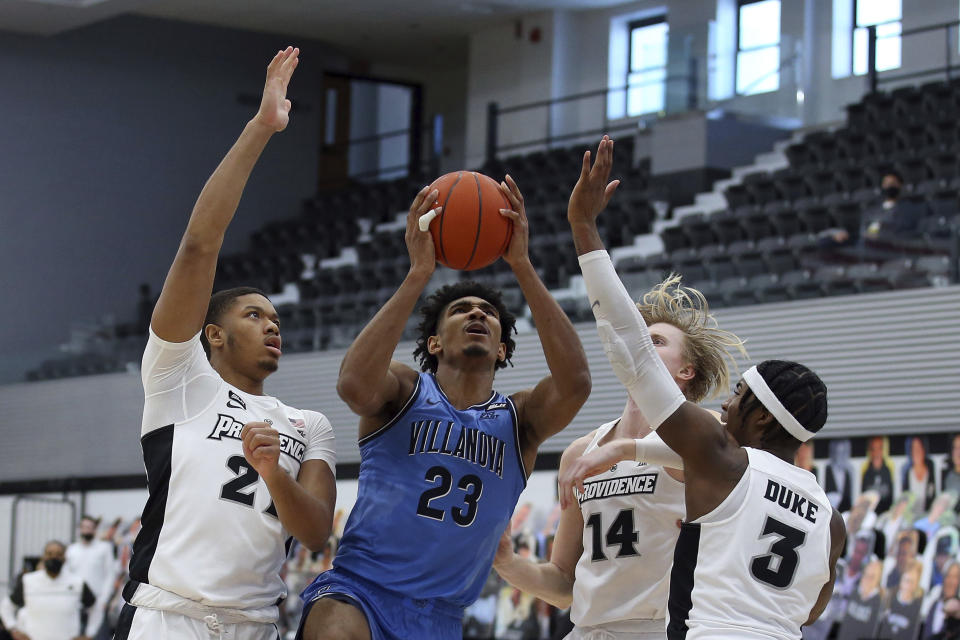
x=429 y=401
x=596 y=303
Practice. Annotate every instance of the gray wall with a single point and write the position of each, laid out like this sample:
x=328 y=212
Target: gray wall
x=108 y=133
x=888 y=359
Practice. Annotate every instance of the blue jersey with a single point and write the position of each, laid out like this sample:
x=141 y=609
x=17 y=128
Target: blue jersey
x=437 y=488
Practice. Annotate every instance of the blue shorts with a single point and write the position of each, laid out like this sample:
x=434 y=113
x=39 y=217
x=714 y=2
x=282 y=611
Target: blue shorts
x=391 y=616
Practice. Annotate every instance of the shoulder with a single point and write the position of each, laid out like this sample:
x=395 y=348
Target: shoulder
x=316 y=420
x=576 y=449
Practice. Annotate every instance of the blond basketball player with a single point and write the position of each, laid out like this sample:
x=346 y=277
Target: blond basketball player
x=611 y=557
x=756 y=557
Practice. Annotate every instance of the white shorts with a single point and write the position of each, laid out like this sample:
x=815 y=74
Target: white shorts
x=137 y=623
x=600 y=633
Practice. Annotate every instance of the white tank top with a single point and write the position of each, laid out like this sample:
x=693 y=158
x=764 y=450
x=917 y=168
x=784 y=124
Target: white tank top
x=753 y=567
x=630 y=518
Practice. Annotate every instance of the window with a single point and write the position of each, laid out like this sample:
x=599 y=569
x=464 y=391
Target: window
x=647 y=74
x=758 y=46
x=886 y=15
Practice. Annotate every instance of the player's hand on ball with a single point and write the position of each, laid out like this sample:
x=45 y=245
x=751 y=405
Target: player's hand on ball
x=420 y=243
x=261 y=447
x=518 y=250
x=589 y=464
x=274 y=110
x=592 y=192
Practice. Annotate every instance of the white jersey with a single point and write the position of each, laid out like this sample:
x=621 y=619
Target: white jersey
x=210 y=530
x=754 y=566
x=630 y=516
x=49 y=608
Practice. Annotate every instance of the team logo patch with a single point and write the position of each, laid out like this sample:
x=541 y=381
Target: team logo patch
x=497 y=405
x=235 y=402
x=299 y=425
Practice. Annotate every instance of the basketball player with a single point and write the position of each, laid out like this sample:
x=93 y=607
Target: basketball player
x=756 y=556
x=611 y=557
x=444 y=456
x=232 y=473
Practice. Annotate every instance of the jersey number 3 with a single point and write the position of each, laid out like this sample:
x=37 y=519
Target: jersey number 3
x=778 y=566
x=469 y=483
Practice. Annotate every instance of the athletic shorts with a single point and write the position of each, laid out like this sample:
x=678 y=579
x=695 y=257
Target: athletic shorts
x=137 y=623
x=390 y=616
x=599 y=632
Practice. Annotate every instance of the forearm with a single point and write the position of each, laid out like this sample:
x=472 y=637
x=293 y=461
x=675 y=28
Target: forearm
x=544 y=580
x=586 y=237
x=562 y=349
x=368 y=359
x=221 y=194
x=307 y=518
x=626 y=341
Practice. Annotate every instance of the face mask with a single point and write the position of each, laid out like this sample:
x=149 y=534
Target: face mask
x=53 y=565
x=87 y=536
x=891 y=193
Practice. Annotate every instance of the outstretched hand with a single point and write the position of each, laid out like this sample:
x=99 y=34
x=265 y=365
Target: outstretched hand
x=592 y=192
x=274 y=110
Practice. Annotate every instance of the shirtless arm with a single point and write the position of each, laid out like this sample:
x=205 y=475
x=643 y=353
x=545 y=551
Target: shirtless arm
x=370 y=382
x=182 y=305
x=701 y=440
x=838 y=536
x=550 y=406
x=550 y=581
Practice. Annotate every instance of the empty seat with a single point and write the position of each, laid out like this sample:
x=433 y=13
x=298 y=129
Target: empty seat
x=799 y=285
x=834 y=281
x=674 y=238
x=816 y=219
x=736 y=291
x=767 y=287
x=726 y=227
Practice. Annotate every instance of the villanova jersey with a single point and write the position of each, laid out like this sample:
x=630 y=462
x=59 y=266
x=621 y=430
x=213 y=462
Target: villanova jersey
x=437 y=488
x=210 y=532
x=753 y=567
x=630 y=515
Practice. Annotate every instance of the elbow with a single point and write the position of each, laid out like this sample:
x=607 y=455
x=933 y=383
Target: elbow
x=563 y=601
x=580 y=385
x=355 y=393
x=196 y=245
x=314 y=543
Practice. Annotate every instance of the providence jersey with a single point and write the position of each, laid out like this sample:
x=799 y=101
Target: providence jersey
x=437 y=488
x=755 y=565
x=210 y=532
x=630 y=516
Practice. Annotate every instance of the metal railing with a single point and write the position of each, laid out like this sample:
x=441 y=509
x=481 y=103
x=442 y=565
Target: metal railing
x=950 y=66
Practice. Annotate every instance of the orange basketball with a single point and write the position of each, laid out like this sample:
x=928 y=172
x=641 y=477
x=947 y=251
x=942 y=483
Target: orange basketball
x=469 y=233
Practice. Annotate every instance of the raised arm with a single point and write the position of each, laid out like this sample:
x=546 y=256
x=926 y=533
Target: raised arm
x=182 y=305
x=371 y=383
x=554 y=401
x=691 y=431
x=550 y=581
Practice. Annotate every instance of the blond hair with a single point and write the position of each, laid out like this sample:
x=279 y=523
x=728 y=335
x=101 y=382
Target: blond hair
x=706 y=347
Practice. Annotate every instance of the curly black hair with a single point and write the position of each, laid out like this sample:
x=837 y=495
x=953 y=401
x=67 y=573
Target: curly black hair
x=220 y=302
x=800 y=390
x=438 y=301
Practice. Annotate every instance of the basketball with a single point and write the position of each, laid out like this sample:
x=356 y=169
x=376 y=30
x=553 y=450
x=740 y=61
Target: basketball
x=469 y=233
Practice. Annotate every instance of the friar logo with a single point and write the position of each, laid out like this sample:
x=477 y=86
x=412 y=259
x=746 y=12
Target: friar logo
x=235 y=402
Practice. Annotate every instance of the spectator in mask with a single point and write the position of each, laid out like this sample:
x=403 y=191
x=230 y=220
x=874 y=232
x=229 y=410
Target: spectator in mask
x=46 y=604
x=890 y=221
x=93 y=560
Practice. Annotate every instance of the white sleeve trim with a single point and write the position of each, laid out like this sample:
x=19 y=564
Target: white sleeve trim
x=626 y=341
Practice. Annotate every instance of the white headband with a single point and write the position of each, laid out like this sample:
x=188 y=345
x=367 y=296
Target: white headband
x=767 y=398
